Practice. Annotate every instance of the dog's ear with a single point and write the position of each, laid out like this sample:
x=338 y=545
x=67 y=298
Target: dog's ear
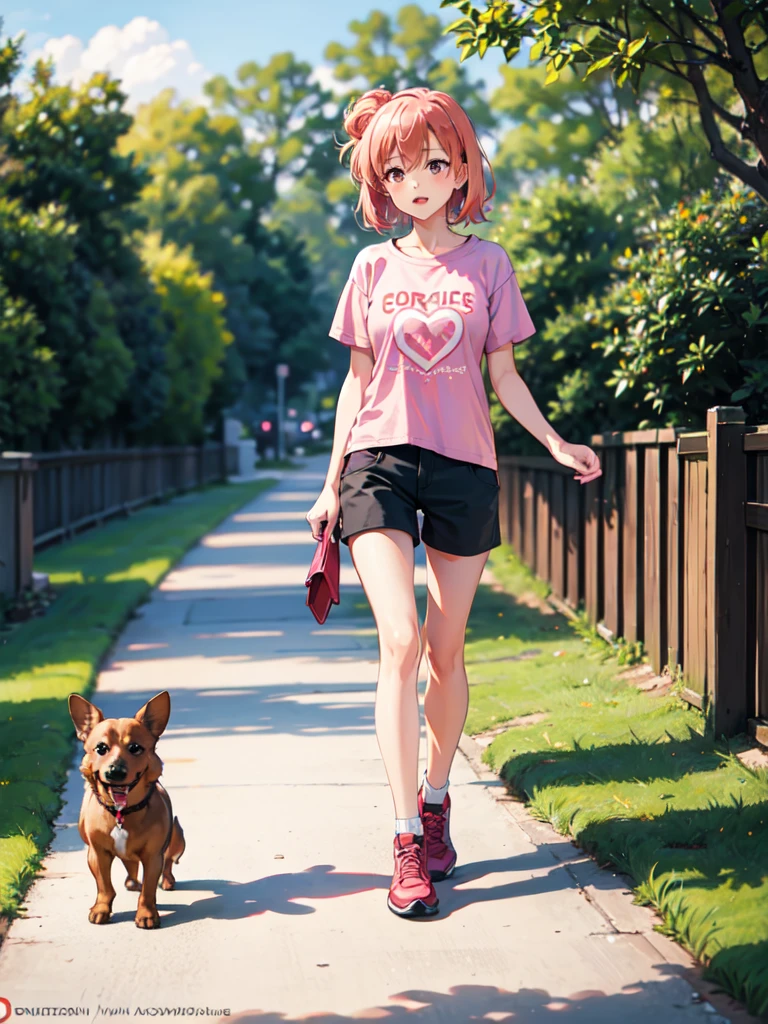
x=85 y=715
x=155 y=713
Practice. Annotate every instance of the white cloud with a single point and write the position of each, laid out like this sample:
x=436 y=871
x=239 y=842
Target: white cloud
x=323 y=76
x=141 y=54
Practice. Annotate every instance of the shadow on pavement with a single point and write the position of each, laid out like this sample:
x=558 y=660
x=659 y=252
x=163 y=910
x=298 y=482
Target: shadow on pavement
x=276 y=893
x=465 y=1003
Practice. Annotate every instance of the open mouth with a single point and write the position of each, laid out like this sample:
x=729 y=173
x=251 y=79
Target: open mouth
x=118 y=795
x=421 y=199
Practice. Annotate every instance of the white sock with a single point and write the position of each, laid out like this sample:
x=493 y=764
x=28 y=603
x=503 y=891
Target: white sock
x=432 y=795
x=409 y=825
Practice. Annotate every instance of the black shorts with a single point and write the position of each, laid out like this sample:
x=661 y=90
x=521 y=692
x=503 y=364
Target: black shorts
x=384 y=487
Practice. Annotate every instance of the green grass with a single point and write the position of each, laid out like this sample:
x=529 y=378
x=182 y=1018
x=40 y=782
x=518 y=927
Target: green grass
x=634 y=779
x=100 y=577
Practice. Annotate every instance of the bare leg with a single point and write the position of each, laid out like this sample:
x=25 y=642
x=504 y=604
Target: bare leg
x=451 y=585
x=384 y=562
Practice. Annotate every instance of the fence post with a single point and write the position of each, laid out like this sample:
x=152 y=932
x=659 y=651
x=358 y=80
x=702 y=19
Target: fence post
x=557 y=534
x=675 y=568
x=17 y=525
x=633 y=544
x=594 y=571
x=726 y=569
x=65 y=482
x=200 y=465
x=611 y=529
x=654 y=568
x=529 y=518
x=541 y=482
x=574 y=534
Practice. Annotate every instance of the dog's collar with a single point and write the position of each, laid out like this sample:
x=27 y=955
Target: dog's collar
x=120 y=812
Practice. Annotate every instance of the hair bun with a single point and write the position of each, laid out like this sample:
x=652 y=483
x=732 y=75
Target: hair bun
x=358 y=115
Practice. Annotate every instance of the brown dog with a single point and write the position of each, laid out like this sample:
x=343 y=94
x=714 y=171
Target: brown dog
x=125 y=810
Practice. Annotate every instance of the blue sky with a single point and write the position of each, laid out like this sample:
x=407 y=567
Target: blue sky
x=179 y=44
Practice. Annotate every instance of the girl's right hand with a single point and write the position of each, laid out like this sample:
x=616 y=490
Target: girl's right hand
x=324 y=511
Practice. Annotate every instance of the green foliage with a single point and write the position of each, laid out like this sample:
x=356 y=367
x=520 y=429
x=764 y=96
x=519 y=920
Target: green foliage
x=104 y=361
x=81 y=184
x=577 y=193
x=693 y=307
x=553 y=129
x=562 y=242
x=84 y=181
x=198 y=335
x=61 y=143
x=39 y=326
x=645 y=318
x=65 y=212
x=567 y=237
x=210 y=189
x=653 y=159
x=283 y=109
x=626 y=652
x=29 y=382
x=11 y=57
x=399 y=53
x=690 y=44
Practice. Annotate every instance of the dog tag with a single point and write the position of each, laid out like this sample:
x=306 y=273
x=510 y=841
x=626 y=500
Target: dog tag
x=120 y=837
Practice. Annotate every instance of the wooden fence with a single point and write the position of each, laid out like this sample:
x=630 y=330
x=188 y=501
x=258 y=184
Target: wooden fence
x=77 y=489
x=669 y=546
x=47 y=497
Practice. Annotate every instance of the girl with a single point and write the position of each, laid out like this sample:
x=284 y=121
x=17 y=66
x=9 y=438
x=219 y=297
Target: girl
x=413 y=432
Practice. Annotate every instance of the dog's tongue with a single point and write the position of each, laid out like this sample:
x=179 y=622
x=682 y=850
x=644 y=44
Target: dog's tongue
x=119 y=797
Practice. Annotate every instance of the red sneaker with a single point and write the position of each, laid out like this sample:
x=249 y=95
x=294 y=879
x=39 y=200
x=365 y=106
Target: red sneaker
x=411 y=893
x=441 y=858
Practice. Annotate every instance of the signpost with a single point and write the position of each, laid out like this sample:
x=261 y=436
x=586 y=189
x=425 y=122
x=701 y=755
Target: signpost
x=281 y=371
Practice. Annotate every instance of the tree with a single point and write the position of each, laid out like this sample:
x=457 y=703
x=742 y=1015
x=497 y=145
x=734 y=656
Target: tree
x=556 y=129
x=29 y=383
x=402 y=55
x=566 y=238
x=35 y=260
x=562 y=241
x=284 y=113
x=692 y=310
x=570 y=128
x=63 y=175
x=209 y=188
x=714 y=52
x=678 y=322
x=198 y=336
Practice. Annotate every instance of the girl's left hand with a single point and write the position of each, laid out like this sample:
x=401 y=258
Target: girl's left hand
x=578 y=457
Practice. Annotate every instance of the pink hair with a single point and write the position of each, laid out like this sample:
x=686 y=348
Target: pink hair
x=380 y=123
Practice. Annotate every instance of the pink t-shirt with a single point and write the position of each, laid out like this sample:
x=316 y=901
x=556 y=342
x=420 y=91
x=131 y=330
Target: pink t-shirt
x=428 y=320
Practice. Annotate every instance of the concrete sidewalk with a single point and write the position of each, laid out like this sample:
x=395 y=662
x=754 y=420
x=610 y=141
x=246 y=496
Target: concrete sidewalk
x=274 y=771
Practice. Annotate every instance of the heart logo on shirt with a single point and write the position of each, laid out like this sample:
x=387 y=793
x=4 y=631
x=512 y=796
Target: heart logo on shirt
x=427 y=339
